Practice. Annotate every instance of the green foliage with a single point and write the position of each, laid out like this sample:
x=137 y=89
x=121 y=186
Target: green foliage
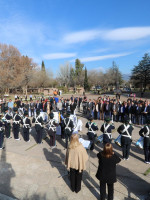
x=78 y=67
x=141 y=72
x=43 y=67
x=86 y=84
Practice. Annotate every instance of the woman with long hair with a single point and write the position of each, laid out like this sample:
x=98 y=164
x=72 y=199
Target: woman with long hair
x=76 y=158
x=106 y=172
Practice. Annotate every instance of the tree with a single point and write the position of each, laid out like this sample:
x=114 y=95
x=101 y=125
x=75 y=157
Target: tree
x=15 y=70
x=141 y=72
x=43 y=67
x=114 y=76
x=79 y=73
x=64 y=76
x=9 y=67
x=86 y=84
x=27 y=67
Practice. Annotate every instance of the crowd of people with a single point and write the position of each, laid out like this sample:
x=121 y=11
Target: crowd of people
x=133 y=111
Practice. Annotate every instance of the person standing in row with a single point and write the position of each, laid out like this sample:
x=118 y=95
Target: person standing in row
x=76 y=158
x=126 y=132
x=106 y=129
x=16 y=123
x=52 y=130
x=26 y=127
x=106 y=172
x=145 y=132
x=92 y=127
x=67 y=123
x=38 y=126
x=1 y=134
x=7 y=118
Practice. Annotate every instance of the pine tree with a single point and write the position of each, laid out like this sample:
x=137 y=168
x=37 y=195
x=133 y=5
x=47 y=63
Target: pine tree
x=141 y=72
x=86 y=84
x=43 y=67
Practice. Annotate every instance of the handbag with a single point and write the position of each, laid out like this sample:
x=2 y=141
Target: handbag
x=140 y=143
x=118 y=141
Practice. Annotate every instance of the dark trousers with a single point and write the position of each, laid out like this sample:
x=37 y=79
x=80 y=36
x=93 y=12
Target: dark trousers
x=68 y=136
x=32 y=112
x=1 y=139
x=7 y=130
x=147 y=153
x=26 y=134
x=91 y=137
x=125 y=150
x=75 y=178
x=103 y=190
x=16 y=131
x=52 y=139
x=39 y=136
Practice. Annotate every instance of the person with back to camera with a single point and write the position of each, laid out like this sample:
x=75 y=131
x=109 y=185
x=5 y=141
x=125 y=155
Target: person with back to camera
x=106 y=172
x=1 y=133
x=76 y=158
x=145 y=132
x=52 y=130
x=38 y=126
x=126 y=132
x=106 y=129
x=68 y=125
x=92 y=127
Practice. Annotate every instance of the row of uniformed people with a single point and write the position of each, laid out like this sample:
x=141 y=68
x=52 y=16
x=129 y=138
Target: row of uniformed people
x=125 y=130
x=67 y=126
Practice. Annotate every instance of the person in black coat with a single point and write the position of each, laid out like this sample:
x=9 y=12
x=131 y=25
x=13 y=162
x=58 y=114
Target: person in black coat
x=26 y=127
x=106 y=129
x=38 y=126
x=145 y=132
x=16 y=123
x=126 y=132
x=68 y=126
x=1 y=134
x=7 y=117
x=138 y=112
x=72 y=107
x=107 y=109
x=52 y=130
x=92 y=127
x=106 y=172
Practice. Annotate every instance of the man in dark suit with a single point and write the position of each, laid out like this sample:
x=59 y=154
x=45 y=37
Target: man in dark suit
x=146 y=112
x=90 y=108
x=107 y=109
x=32 y=106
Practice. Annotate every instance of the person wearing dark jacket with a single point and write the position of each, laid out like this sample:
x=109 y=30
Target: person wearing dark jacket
x=7 y=117
x=126 y=132
x=1 y=134
x=52 y=130
x=26 y=127
x=106 y=129
x=38 y=126
x=16 y=123
x=68 y=125
x=72 y=107
x=106 y=172
x=145 y=132
x=138 y=112
x=92 y=127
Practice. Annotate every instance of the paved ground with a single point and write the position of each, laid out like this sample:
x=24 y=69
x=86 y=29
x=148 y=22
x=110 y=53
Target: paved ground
x=31 y=171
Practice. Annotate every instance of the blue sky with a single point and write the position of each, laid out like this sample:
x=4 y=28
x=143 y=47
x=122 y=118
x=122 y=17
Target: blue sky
x=95 y=31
